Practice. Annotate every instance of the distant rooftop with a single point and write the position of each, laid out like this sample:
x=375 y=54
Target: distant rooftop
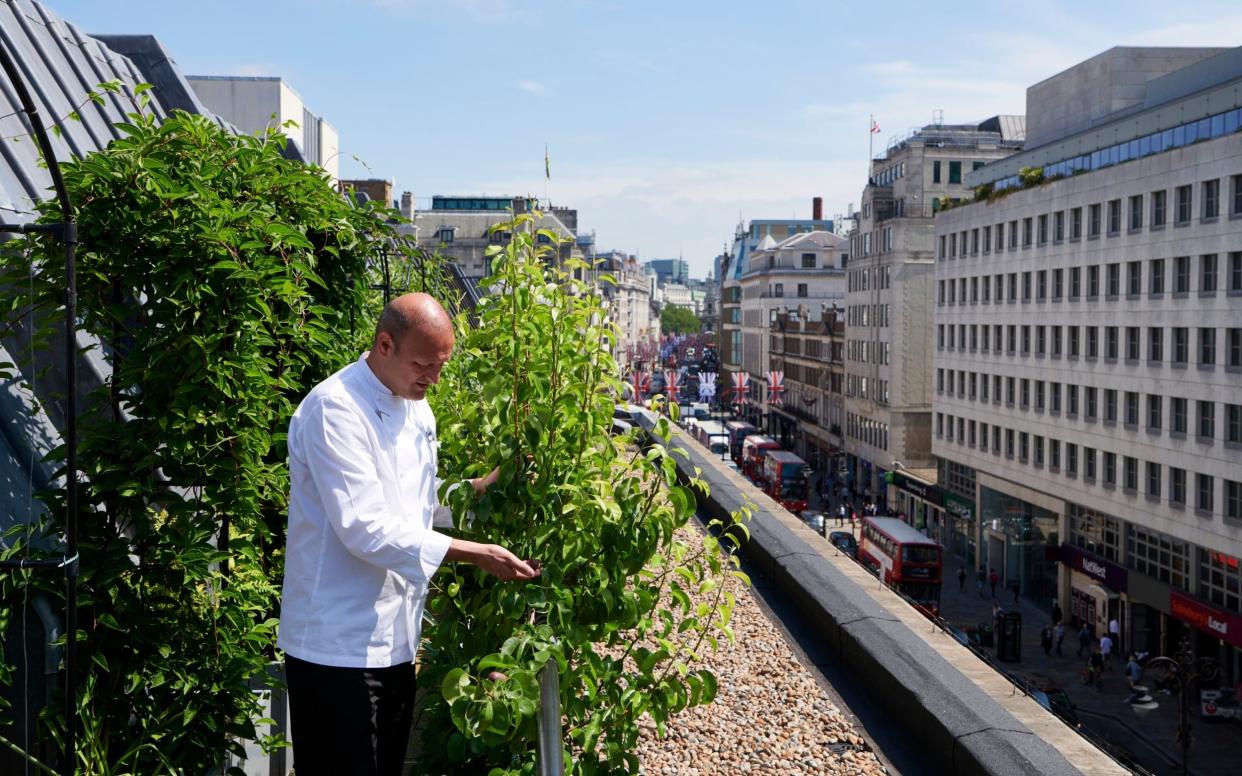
x=1004 y=131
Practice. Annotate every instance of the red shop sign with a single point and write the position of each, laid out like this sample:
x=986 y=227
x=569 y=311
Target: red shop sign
x=1223 y=625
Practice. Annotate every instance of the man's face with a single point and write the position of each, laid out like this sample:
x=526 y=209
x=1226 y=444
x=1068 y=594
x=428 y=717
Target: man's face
x=413 y=365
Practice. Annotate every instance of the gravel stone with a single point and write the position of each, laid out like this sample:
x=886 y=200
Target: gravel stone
x=769 y=716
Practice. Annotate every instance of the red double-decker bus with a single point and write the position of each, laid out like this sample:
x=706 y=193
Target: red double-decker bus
x=904 y=559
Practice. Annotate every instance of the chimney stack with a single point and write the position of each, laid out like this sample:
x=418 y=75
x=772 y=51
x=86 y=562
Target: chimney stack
x=817 y=208
x=407 y=205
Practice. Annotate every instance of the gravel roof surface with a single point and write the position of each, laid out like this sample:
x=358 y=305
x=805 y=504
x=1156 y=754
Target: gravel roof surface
x=770 y=716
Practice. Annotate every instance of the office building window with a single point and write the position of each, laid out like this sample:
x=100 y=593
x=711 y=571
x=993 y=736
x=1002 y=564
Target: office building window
x=1155 y=415
x=1181 y=345
x=1093 y=281
x=1235 y=272
x=1158 y=555
x=1233 y=347
x=1058 y=226
x=1207 y=273
x=1075 y=283
x=1177 y=486
x=1181 y=275
x=1058 y=283
x=1129 y=473
x=1177 y=413
x=1054 y=396
x=955 y=172
x=1134 y=278
x=1207 y=419
x=1205 y=492
x=1071 y=400
x=936 y=171
x=1114 y=216
x=1233 y=423
x=1071 y=460
x=1110 y=405
x=1114 y=279
x=1076 y=222
x=1133 y=346
x=802 y=289
x=1236 y=206
x=1093 y=221
x=1153 y=479
x=1211 y=199
x=1233 y=510
x=1027 y=232
x=1183 y=204
x=1136 y=212
x=1088 y=464
x=1159 y=209
x=1043 y=229
x=1155 y=270
x=1132 y=408
x=1155 y=344
x=1207 y=346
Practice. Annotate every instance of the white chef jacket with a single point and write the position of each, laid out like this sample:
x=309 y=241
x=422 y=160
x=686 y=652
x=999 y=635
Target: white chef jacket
x=361 y=549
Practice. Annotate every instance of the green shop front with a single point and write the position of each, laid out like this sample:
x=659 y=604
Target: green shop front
x=946 y=517
x=1021 y=542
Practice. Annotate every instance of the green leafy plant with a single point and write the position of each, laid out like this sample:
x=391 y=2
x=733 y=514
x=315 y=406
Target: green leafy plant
x=220 y=282
x=532 y=390
x=1031 y=176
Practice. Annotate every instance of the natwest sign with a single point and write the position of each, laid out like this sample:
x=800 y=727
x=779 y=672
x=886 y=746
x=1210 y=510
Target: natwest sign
x=1110 y=574
x=1225 y=626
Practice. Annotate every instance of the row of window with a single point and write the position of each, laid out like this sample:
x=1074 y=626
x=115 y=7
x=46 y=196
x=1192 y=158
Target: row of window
x=1091 y=342
x=1053 y=227
x=866 y=430
x=867 y=315
x=1155 y=480
x=1158 y=555
x=859 y=387
x=1107 y=405
x=868 y=279
x=1217 y=125
x=1112 y=280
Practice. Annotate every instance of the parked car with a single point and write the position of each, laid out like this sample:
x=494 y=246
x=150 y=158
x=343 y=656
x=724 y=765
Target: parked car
x=1051 y=696
x=845 y=542
x=813 y=519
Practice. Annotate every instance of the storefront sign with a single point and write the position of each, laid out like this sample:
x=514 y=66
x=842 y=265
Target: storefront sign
x=1112 y=575
x=929 y=493
x=1225 y=626
x=958 y=506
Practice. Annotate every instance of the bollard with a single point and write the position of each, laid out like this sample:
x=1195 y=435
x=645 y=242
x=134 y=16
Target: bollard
x=551 y=759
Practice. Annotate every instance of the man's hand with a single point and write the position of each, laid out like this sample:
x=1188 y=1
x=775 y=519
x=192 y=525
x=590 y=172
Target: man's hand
x=483 y=483
x=493 y=559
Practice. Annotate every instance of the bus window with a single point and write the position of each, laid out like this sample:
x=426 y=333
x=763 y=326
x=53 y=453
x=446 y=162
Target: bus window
x=917 y=554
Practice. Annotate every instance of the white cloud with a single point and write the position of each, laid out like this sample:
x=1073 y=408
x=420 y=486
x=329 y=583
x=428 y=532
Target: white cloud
x=533 y=87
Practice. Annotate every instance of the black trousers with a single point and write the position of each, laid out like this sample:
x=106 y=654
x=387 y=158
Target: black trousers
x=353 y=721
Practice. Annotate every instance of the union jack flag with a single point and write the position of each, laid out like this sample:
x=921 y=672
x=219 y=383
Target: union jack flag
x=641 y=382
x=776 y=388
x=707 y=386
x=671 y=388
x=741 y=387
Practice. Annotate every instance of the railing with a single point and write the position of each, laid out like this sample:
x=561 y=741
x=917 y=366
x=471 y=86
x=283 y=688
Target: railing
x=551 y=750
x=889 y=212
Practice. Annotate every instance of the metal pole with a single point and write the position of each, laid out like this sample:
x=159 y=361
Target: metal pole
x=68 y=234
x=551 y=750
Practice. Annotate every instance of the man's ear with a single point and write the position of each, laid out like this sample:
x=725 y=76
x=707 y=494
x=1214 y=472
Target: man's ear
x=384 y=343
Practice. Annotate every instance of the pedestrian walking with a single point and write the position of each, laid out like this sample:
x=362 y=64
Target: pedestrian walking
x=1106 y=651
x=961 y=579
x=1114 y=633
x=1015 y=587
x=1084 y=639
x=1095 y=669
x=853 y=516
x=993 y=578
x=1056 y=612
x=841 y=515
x=981 y=577
x=1045 y=640
x=1058 y=636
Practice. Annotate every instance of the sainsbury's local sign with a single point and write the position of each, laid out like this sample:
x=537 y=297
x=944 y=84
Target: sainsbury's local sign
x=1225 y=626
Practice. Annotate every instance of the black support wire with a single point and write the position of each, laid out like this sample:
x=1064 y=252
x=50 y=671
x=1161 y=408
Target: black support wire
x=66 y=231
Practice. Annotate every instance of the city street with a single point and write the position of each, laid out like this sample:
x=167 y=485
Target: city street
x=1148 y=735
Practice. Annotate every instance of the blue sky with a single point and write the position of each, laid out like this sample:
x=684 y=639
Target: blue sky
x=665 y=121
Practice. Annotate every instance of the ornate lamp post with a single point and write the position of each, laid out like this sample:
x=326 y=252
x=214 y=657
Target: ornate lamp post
x=1187 y=670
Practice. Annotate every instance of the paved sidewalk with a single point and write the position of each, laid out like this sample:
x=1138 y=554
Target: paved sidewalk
x=1149 y=733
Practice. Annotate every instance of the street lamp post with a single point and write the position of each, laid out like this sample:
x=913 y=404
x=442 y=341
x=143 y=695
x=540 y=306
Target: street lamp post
x=1187 y=671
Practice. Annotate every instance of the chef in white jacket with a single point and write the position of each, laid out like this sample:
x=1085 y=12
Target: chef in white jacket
x=361 y=549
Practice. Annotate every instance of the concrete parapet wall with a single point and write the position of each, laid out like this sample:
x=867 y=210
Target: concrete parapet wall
x=967 y=721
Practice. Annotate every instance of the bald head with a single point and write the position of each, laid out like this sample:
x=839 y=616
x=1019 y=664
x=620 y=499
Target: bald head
x=413 y=341
x=416 y=313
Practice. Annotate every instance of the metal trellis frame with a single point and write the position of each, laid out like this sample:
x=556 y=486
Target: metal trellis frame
x=65 y=231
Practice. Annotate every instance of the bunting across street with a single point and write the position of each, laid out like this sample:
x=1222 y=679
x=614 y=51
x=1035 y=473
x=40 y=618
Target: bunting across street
x=707 y=386
x=671 y=386
x=640 y=381
x=776 y=389
x=741 y=387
